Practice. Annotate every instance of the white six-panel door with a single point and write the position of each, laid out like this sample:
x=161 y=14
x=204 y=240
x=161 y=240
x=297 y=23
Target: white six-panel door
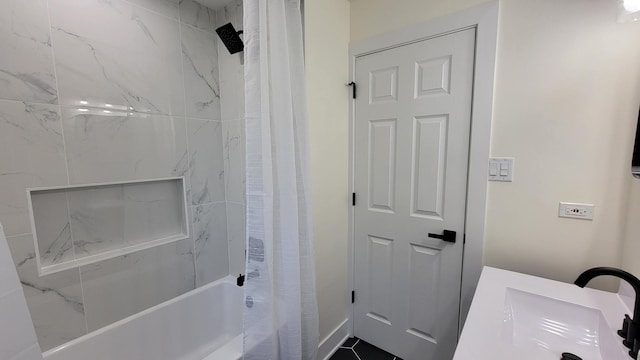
x=412 y=122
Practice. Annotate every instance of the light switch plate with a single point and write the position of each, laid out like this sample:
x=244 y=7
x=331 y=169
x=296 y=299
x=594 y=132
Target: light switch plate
x=576 y=211
x=501 y=169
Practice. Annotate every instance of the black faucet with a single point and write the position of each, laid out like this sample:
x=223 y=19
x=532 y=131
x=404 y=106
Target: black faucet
x=630 y=326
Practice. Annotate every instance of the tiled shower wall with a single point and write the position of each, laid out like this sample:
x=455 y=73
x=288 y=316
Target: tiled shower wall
x=232 y=115
x=99 y=91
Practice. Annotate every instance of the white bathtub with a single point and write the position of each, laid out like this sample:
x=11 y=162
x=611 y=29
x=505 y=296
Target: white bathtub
x=205 y=323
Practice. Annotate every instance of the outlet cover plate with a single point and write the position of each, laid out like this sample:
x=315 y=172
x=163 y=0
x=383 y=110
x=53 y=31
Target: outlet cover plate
x=501 y=169
x=576 y=211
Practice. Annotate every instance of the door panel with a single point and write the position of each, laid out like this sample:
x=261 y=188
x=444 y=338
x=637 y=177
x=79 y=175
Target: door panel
x=382 y=164
x=427 y=180
x=381 y=266
x=411 y=152
x=383 y=85
x=433 y=76
x=423 y=287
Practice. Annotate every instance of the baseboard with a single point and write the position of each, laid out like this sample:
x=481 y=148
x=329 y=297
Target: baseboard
x=332 y=342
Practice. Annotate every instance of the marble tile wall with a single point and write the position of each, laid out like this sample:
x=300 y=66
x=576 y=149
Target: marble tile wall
x=77 y=223
x=98 y=91
x=17 y=338
x=52 y=223
x=232 y=114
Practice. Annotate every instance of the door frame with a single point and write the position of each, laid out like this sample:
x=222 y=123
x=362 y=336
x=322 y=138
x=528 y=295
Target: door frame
x=484 y=18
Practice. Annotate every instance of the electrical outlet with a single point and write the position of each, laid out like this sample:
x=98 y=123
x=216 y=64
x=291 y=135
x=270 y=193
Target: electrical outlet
x=576 y=211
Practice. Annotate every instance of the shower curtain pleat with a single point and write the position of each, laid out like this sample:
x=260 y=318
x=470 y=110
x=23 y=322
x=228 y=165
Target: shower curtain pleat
x=280 y=309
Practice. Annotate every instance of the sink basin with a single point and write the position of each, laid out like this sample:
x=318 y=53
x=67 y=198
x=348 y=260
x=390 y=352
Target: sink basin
x=535 y=322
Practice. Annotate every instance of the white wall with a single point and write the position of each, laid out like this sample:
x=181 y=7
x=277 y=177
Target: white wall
x=371 y=17
x=565 y=106
x=631 y=253
x=327 y=49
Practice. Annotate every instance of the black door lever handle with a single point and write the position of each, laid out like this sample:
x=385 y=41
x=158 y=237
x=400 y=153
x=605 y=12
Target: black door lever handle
x=447 y=235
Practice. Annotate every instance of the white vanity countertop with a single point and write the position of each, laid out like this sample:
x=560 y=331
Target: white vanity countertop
x=483 y=336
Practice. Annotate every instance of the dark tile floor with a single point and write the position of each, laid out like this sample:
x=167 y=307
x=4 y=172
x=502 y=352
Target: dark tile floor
x=356 y=349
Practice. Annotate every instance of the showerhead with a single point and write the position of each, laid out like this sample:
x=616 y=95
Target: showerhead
x=231 y=38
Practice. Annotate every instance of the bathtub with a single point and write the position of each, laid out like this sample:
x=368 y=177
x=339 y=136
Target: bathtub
x=205 y=323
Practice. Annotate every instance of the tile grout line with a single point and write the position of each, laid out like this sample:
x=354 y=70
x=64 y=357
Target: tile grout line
x=145 y=113
x=224 y=158
x=226 y=165
x=73 y=249
x=188 y=169
x=31 y=102
x=201 y=29
x=228 y=122
x=84 y=308
x=66 y=163
x=204 y=119
x=352 y=348
x=17 y=235
x=356 y=354
x=53 y=55
x=154 y=11
x=209 y=203
x=11 y=291
x=58 y=105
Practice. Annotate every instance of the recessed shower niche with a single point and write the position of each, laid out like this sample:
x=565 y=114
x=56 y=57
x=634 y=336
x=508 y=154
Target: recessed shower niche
x=79 y=225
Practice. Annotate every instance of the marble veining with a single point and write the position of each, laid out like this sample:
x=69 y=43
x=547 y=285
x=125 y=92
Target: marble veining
x=232 y=13
x=32 y=155
x=195 y=14
x=211 y=246
x=26 y=75
x=51 y=220
x=234 y=160
x=200 y=62
x=75 y=303
x=61 y=245
x=232 y=114
x=231 y=68
x=55 y=301
x=117 y=56
x=206 y=161
x=97 y=220
x=154 y=211
x=122 y=286
x=141 y=146
x=140 y=85
x=236 y=236
x=117 y=216
x=165 y=7
x=181 y=167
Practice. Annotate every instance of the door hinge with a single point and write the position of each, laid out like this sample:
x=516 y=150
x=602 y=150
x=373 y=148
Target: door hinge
x=353 y=199
x=354 y=89
x=353 y=297
x=464 y=239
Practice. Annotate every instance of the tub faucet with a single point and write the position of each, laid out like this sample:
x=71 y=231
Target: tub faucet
x=630 y=326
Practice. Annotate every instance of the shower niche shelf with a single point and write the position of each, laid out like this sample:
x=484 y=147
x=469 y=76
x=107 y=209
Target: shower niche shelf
x=79 y=225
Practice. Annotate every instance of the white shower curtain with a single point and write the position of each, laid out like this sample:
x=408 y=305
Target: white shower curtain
x=280 y=310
